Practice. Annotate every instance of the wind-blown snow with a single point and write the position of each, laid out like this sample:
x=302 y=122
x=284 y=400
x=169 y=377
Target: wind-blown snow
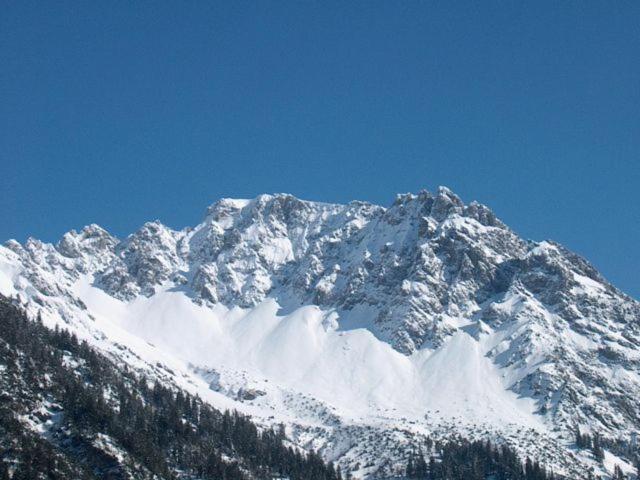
x=351 y=370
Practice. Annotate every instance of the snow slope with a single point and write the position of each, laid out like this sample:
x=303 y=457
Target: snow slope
x=306 y=351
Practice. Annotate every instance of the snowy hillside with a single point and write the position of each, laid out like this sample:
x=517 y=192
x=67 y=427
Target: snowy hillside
x=362 y=328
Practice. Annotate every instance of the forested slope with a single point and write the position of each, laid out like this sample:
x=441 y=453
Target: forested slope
x=66 y=411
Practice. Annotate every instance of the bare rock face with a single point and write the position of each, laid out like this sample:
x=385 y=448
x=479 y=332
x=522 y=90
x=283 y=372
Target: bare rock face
x=143 y=261
x=420 y=270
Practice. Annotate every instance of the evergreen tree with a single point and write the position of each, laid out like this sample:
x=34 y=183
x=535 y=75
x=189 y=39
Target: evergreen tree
x=410 y=470
x=618 y=474
x=598 y=451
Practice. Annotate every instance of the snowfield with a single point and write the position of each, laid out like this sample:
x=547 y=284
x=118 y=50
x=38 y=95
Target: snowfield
x=306 y=351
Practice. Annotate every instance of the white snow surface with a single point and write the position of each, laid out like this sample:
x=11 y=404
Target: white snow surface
x=307 y=352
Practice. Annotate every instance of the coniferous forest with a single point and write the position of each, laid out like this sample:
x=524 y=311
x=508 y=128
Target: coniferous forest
x=460 y=459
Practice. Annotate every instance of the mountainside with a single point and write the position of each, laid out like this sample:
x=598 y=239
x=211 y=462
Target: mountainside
x=68 y=412
x=362 y=328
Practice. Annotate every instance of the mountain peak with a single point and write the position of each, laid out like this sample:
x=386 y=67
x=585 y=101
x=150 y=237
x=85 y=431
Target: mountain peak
x=429 y=308
x=91 y=240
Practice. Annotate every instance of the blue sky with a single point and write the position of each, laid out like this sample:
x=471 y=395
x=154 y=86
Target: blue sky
x=122 y=112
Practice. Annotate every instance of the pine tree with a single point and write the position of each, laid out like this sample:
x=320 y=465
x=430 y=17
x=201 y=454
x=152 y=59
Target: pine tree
x=618 y=473
x=410 y=470
x=598 y=451
x=421 y=469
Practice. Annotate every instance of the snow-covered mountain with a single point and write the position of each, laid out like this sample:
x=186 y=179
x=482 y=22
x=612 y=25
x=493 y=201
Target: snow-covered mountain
x=362 y=328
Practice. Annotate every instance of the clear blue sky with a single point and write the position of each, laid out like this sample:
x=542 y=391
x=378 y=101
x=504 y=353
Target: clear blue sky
x=122 y=112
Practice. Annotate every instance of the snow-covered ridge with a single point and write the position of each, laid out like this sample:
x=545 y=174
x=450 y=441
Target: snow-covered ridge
x=341 y=318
